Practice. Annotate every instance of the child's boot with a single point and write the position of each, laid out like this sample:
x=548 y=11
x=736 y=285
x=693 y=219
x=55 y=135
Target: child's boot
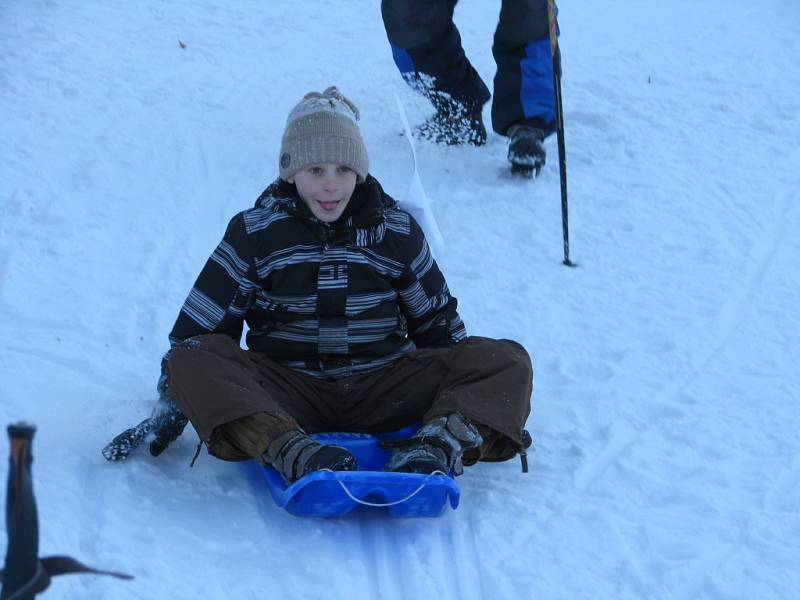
x=294 y=455
x=438 y=446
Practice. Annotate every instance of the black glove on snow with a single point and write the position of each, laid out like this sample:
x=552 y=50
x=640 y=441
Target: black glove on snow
x=166 y=423
x=121 y=446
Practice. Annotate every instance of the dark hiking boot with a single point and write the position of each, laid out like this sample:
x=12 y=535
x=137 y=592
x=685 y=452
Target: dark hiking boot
x=438 y=446
x=525 y=151
x=294 y=455
x=453 y=124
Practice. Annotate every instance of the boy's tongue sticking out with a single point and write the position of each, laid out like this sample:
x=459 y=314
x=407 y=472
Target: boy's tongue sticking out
x=326 y=189
x=329 y=205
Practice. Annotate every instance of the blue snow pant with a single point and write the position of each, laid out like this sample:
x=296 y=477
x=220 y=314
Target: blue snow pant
x=426 y=47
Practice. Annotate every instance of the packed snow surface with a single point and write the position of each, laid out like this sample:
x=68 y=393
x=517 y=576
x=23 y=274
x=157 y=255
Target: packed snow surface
x=666 y=459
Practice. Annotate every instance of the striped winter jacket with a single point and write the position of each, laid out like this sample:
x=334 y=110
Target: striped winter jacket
x=329 y=300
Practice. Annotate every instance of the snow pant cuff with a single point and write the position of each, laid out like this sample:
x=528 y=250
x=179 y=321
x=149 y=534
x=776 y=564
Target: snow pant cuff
x=248 y=437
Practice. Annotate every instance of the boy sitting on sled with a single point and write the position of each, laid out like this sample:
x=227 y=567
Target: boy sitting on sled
x=351 y=328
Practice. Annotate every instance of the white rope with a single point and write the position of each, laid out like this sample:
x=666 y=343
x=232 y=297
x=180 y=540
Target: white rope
x=386 y=504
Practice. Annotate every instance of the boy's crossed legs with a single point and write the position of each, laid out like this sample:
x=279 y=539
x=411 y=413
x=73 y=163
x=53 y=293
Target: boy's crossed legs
x=268 y=408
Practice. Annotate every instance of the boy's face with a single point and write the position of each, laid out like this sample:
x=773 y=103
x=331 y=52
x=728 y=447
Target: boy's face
x=326 y=189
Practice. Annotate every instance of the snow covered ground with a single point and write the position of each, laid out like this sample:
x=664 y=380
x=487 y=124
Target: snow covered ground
x=665 y=414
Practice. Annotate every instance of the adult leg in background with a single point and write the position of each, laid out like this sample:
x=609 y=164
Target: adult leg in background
x=523 y=85
x=523 y=108
x=426 y=47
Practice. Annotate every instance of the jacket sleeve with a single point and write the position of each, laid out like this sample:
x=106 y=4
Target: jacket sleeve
x=433 y=321
x=223 y=292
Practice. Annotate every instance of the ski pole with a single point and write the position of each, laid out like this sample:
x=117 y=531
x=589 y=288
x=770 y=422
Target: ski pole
x=25 y=574
x=562 y=150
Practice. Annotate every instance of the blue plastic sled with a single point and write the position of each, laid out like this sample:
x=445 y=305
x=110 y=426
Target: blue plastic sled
x=334 y=494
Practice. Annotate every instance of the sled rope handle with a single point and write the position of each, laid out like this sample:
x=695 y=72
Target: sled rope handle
x=385 y=504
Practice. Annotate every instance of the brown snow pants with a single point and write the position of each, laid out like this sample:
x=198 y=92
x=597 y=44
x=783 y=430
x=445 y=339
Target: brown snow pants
x=238 y=400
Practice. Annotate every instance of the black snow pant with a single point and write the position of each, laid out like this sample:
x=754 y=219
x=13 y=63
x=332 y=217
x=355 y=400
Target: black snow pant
x=238 y=401
x=426 y=47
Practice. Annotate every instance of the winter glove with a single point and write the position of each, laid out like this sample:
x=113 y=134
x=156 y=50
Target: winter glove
x=166 y=424
x=525 y=151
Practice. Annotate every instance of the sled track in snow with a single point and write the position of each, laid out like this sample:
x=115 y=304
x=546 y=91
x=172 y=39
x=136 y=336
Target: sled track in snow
x=442 y=552
x=458 y=560
x=381 y=578
x=470 y=573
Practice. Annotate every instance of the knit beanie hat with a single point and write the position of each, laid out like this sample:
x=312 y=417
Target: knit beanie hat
x=321 y=129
